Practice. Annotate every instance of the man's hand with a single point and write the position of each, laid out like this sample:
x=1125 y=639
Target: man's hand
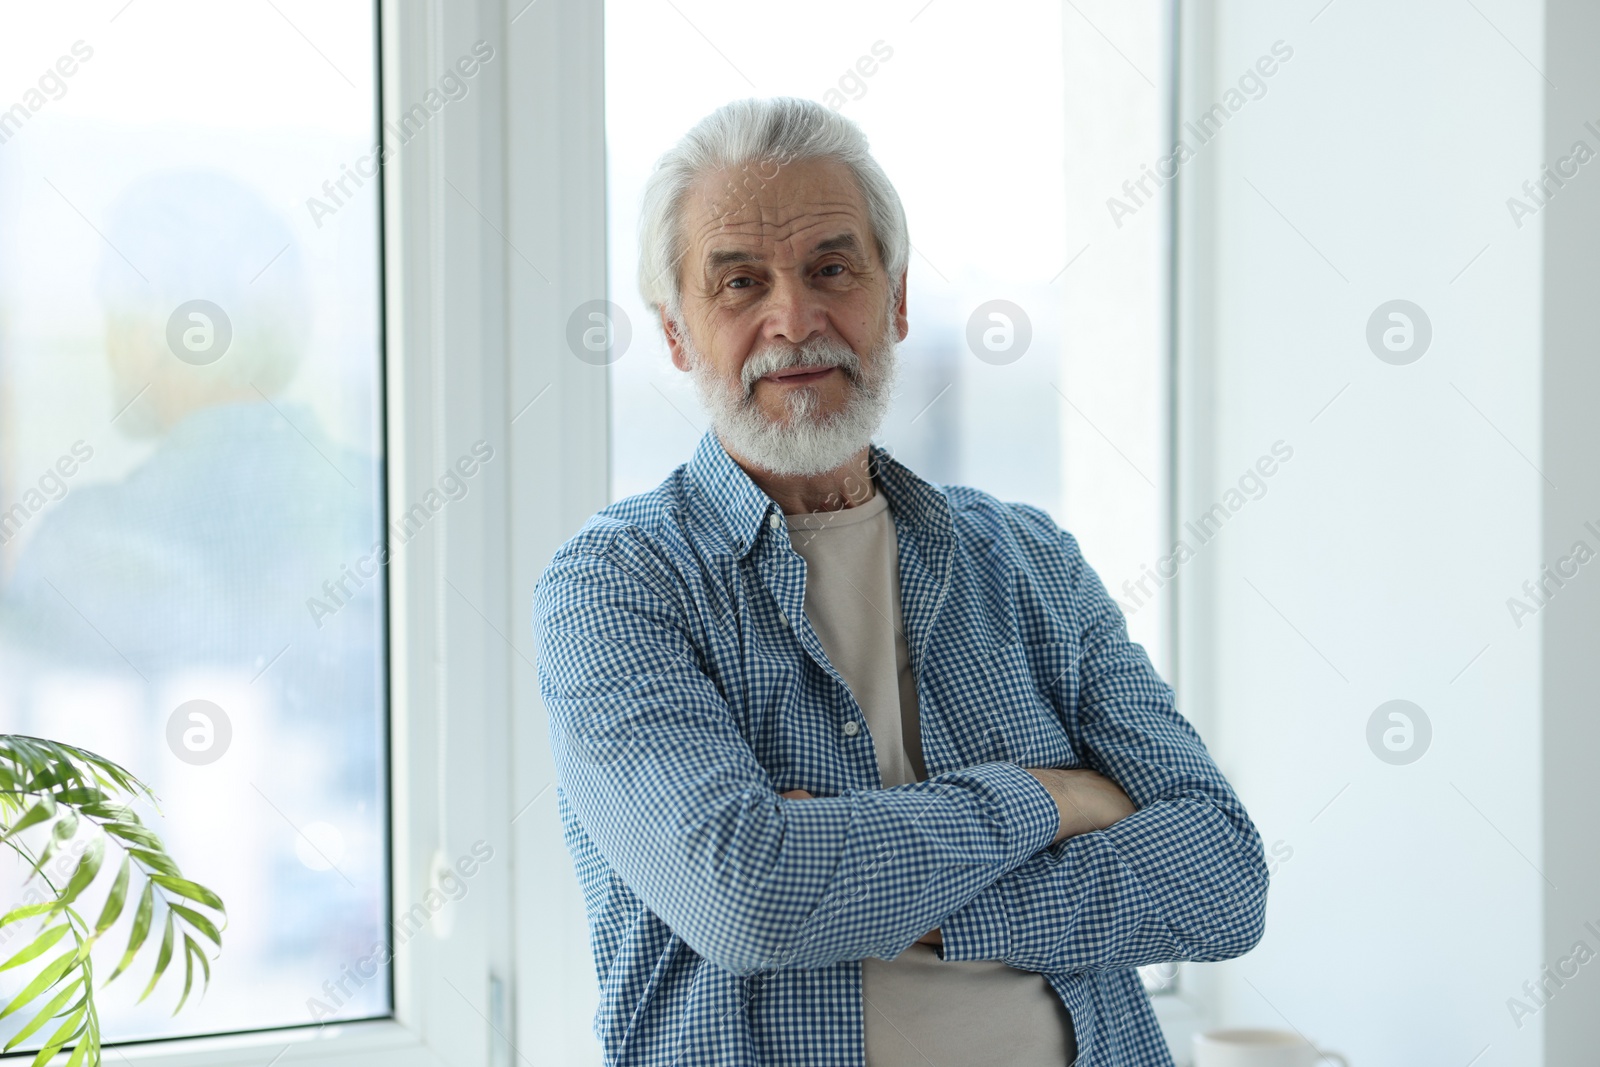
x=1086 y=800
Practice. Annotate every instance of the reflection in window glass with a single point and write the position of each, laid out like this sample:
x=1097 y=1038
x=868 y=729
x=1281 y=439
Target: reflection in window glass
x=191 y=470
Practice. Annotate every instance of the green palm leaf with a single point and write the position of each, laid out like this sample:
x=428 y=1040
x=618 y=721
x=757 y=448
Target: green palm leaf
x=57 y=799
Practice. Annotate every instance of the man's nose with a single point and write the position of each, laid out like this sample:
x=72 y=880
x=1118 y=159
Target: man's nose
x=794 y=311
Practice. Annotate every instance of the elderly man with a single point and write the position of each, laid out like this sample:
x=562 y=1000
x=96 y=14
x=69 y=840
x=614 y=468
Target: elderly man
x=855 y=768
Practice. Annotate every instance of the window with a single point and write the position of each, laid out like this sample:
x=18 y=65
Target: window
x=1024 y=142
x=132 y=582
x=192 y=467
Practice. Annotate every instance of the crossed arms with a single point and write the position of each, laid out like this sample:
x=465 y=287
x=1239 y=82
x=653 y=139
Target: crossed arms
x=1086 y=801
x=1005 y=863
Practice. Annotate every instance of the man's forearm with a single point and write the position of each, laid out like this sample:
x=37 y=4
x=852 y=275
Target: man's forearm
x=1175 y=880
x=805 y=884
x=1086 y=801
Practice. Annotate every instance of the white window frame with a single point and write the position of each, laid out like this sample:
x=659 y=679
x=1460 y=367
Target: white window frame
x=505 y=185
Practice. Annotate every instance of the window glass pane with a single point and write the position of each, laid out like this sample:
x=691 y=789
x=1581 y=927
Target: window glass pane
x=191 y=470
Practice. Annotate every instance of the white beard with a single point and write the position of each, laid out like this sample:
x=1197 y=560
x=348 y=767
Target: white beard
x=802 y=443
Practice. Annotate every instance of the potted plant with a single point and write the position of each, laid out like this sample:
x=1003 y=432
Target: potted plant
x=71 y=799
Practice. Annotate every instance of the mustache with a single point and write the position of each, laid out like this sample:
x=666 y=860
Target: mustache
x=816 y=352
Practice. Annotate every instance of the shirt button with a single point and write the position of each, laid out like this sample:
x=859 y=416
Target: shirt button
x=774 y=521
x=852 y=728
x=783 y=618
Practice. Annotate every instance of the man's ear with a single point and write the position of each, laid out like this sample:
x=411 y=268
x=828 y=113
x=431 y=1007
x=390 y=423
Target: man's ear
x=680 y=355
x=902 y=325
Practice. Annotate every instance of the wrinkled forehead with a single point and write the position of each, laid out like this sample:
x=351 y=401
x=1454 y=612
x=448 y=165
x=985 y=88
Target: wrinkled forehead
x=772 y=212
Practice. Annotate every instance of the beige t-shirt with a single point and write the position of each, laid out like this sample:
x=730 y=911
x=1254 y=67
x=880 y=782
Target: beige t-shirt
x=917 y=1008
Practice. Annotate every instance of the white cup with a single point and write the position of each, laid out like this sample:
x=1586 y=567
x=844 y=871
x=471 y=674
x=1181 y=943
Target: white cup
x=1258 y=1048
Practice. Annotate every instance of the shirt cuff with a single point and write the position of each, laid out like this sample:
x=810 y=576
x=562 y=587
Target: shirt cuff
x=1025 y=804
x=979 y=931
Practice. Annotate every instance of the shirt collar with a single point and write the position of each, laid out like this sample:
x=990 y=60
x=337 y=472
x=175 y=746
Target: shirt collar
x=743 y=508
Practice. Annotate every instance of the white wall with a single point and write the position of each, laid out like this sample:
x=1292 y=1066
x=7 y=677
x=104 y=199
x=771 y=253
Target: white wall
x=1377 y=566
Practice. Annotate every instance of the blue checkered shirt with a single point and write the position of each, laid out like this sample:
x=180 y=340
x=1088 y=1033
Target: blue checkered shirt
x=686 y=690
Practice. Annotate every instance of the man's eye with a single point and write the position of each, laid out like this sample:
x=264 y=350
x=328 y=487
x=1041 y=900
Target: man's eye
x=733 y=283
x=833 y=266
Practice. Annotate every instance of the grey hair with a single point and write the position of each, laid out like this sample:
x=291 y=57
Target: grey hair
x=755 y=138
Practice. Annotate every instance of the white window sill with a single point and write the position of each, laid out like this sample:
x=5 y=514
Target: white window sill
x=380 y=1041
